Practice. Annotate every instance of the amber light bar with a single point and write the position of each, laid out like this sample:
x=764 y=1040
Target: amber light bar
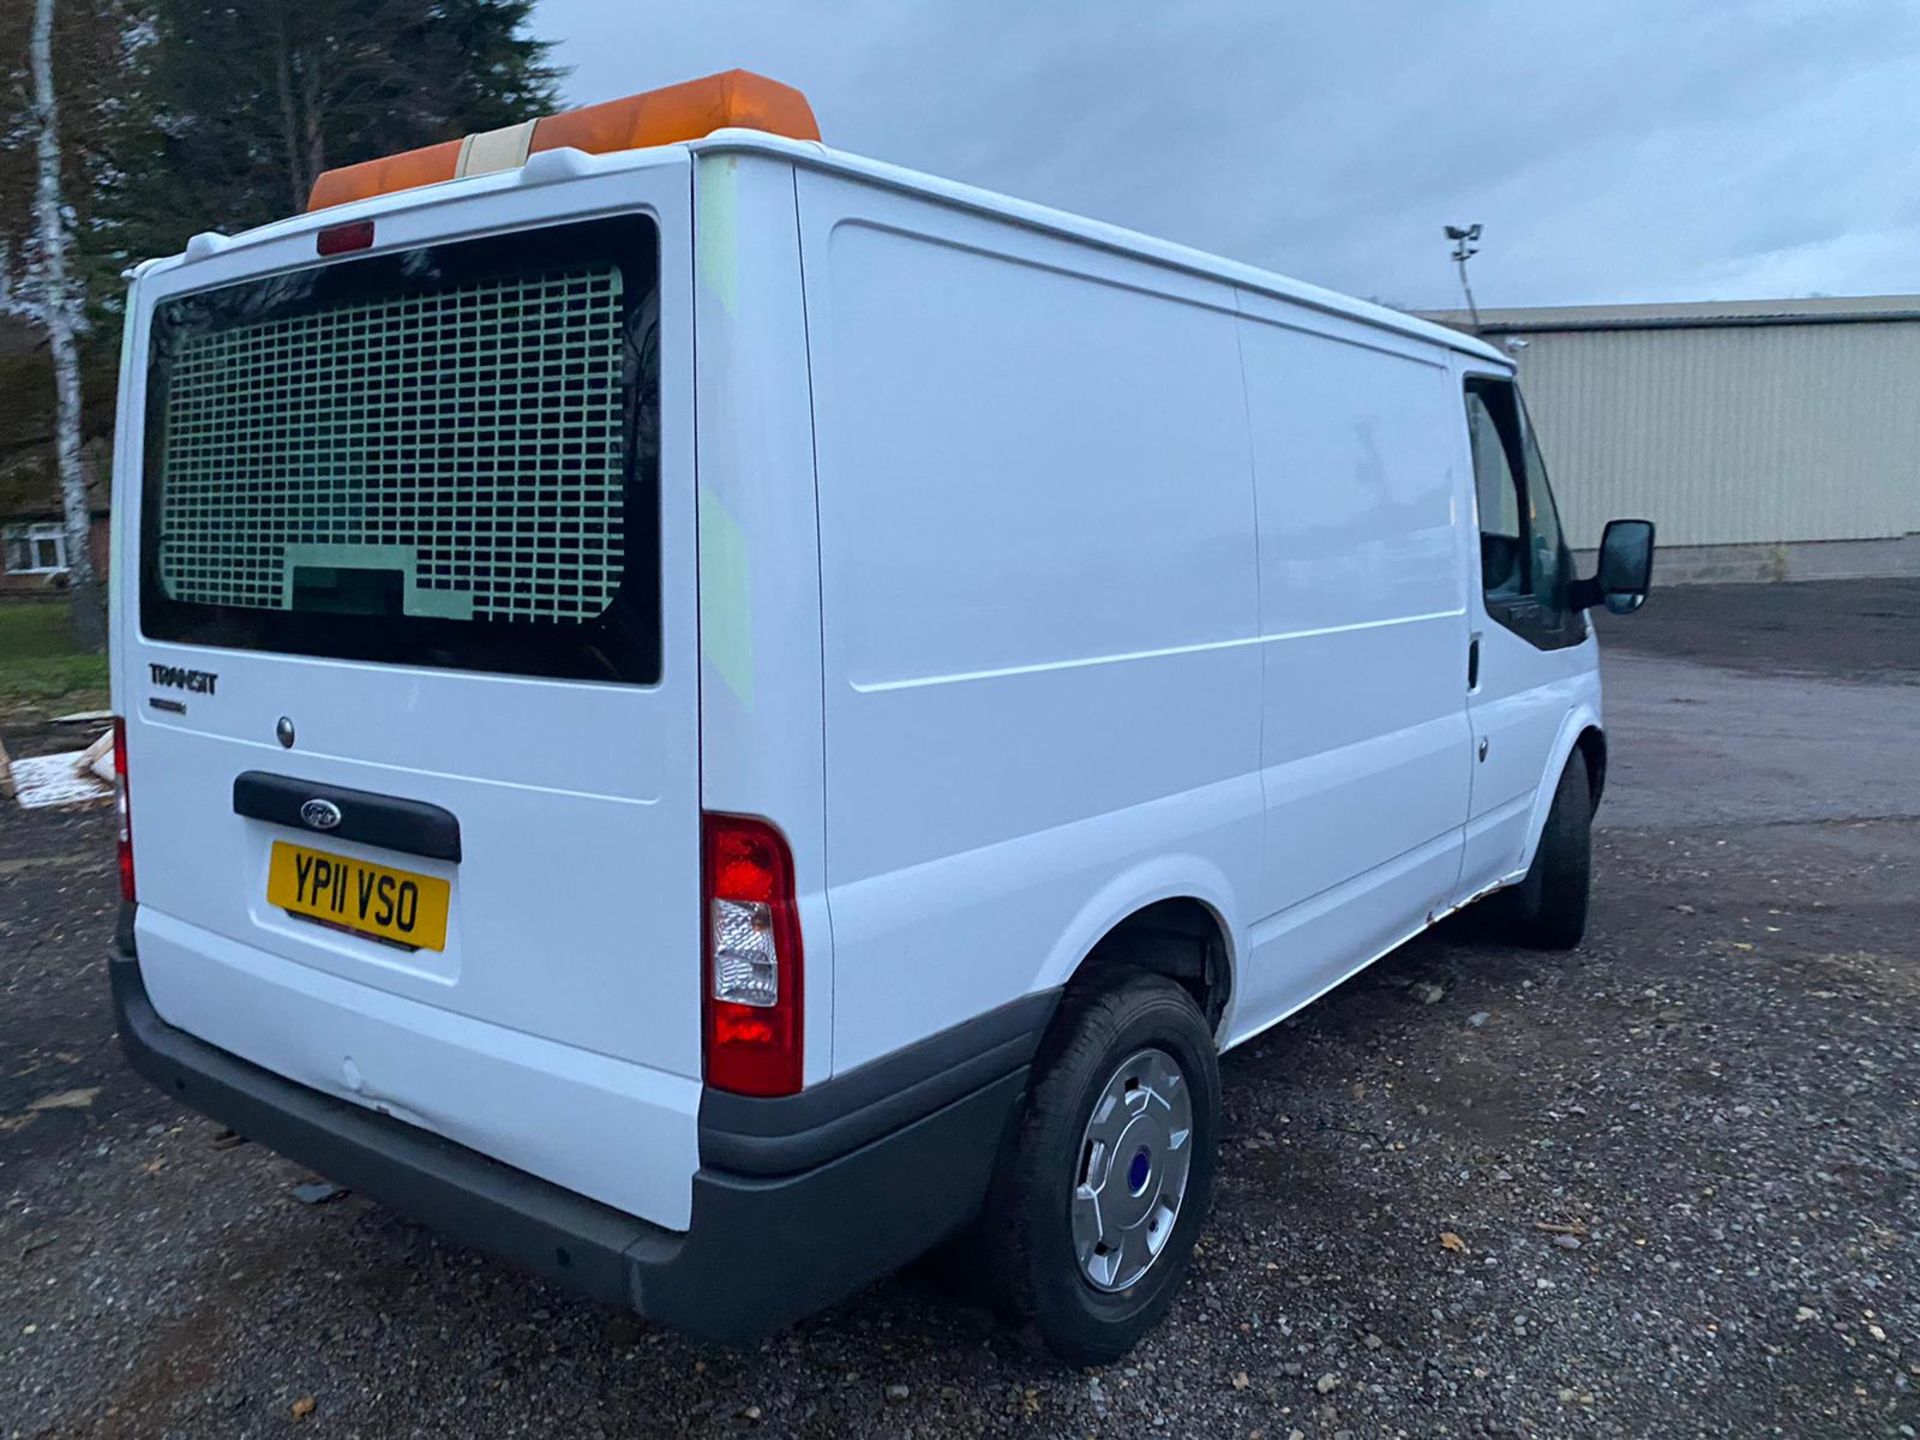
x=656 y=117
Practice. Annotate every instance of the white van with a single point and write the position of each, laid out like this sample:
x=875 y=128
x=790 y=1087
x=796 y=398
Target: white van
x=712 y=715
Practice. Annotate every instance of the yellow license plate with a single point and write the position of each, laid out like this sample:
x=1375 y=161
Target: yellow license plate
x=389 y=904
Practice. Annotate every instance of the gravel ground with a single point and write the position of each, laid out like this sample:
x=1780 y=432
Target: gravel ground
x=1662 y=1186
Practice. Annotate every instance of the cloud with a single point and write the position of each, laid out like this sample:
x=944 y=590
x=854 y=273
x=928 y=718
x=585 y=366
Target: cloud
x=1627 y=150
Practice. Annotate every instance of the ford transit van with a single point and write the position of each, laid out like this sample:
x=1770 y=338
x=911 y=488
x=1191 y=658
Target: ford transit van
x=710 y=715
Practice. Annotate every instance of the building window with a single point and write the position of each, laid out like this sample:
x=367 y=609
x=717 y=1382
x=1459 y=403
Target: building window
x=35 y=549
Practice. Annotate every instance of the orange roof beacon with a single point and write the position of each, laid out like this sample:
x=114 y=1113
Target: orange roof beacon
x=687 y=111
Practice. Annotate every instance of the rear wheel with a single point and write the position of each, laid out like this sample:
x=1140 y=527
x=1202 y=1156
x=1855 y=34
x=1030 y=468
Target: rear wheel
x=1096 y=1208
x=1548 y=909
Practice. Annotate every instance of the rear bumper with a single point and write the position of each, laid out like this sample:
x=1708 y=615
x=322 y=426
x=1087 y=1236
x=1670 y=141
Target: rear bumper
x=762 y=1249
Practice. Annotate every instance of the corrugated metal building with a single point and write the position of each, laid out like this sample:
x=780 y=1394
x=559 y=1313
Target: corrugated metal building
x=1769 y=439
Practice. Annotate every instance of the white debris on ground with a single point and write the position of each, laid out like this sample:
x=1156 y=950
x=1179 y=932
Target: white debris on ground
x=97 y=758
x=65 y=779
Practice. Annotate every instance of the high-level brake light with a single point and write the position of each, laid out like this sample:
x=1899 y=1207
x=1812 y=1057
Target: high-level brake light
x=656 y=117
x=341 y=239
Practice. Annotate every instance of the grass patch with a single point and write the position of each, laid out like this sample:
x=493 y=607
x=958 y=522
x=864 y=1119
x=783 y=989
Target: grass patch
x=38 y=663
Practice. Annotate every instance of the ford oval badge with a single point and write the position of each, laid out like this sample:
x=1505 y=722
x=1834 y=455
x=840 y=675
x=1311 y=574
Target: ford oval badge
x=320 y=814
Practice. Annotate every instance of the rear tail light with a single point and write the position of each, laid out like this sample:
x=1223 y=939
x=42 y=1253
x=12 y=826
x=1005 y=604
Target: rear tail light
x=753 y=961
x=123 y=807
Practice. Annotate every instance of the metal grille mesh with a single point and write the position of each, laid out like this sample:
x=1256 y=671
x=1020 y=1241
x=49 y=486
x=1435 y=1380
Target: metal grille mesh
x=469 y=439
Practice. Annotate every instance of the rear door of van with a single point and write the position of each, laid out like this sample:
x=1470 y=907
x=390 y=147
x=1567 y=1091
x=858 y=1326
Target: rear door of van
x=406 y=651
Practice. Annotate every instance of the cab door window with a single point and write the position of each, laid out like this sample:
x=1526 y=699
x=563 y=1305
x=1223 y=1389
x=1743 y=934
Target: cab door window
x=1524 y=562
x=1549 y=561
x=1497 y=488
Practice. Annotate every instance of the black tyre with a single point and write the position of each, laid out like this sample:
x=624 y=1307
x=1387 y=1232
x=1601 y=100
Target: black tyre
x=1108 y=1180
x=1548 y=909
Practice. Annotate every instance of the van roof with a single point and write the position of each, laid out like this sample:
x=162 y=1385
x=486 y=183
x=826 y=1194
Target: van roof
x=1110 y=237
x=555 y=164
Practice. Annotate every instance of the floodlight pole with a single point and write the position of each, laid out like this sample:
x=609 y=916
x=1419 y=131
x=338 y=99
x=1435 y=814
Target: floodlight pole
x=1464 y=249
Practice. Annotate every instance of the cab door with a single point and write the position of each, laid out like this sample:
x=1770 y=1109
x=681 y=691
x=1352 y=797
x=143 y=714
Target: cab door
x=1530 y=656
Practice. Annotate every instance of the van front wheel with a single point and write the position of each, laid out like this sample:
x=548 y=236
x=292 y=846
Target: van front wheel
x=1548 y=909
x=1096 y=1209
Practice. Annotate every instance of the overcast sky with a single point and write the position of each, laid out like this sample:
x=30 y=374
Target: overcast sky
x=1615 y=150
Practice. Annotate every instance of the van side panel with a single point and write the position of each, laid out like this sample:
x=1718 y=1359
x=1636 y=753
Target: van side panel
x=1038 y=590
x=1362 y=566
x=759 y=563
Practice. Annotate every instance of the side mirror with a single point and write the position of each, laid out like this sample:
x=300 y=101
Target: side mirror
x=1625 y=569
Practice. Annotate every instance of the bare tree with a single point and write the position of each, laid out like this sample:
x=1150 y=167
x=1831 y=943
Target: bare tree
x=61 y=309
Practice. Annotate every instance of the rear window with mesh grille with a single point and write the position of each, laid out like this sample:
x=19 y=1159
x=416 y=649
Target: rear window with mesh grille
x=445 y=456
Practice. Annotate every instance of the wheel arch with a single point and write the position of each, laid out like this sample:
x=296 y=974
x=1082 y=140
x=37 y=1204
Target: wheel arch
x=1580 y=730
x=1593 y=745
x=1175 y=926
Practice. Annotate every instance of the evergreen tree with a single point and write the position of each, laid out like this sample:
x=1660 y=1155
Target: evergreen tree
x=252 y=99
x=496 y=74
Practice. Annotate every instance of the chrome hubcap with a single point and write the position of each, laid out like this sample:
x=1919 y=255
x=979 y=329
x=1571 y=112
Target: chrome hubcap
x=1134 y=1157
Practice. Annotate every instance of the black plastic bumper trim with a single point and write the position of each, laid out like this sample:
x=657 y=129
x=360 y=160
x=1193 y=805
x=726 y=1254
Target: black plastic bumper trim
x=759 y=1253
x=752 y=1136
x=549 y=1230
x=387 y=821
x=763 y=1253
